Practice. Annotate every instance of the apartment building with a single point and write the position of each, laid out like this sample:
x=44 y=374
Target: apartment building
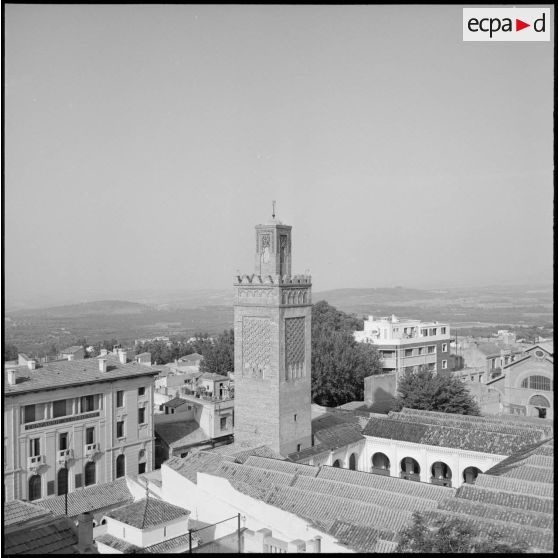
x=75 y=423
x=406 y=344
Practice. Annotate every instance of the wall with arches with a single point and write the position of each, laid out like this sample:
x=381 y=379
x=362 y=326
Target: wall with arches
x=426 y=456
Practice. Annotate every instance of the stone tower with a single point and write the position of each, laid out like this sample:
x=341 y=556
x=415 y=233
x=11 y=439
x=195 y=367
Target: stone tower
x=272 y=333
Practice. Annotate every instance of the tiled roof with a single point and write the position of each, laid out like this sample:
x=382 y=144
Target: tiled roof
x=254 y=476
x=534 y=474
x=122 y=546
x=90 y=499
x=282 y=466
x=530 y=455
x=54 y=537
x=148 y=512
x=241 y=451
x=339 y=435
x=334 y=417
x=390 y=499
x=392 y=484
x=502 y=513
x=502 y=498
x=467 y=438
x=360 y=538
x=180 y=433
x=383 y=546
x=17 y=511
x=66 y=373
x=212 y=376
x=202 y=461
x=519 y=486
x=175 y=402
x=170 y=545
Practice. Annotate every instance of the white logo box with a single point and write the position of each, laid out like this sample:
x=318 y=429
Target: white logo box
x=499 y=24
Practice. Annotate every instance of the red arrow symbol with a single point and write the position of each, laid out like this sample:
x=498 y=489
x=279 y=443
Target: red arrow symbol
x=519 y=25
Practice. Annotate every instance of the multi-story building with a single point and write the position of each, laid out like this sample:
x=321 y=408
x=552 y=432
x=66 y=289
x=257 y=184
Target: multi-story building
x=407 y=344
x=75 y=423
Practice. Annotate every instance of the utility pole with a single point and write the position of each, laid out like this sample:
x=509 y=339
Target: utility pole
x=238 y=520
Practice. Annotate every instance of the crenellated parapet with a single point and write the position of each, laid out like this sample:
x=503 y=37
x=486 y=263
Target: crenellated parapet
x=272 y=280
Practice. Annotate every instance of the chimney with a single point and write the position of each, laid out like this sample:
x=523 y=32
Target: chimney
x=315 y=545
x=70 y=357
x=85 y=532
x=32 y=364
x=104 y=352
x=12 y=376
x=103 y=364
x=122 y=356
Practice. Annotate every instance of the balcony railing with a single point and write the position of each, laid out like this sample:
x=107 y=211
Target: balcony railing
x=71 y=418
x=380 y=471
x=65 y=455
x=410 y=476
x=35 y=461
x=92 y=449
x=441 y=482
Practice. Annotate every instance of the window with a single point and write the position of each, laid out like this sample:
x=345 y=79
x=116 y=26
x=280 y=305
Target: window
x=445 y=365
x=120 y=466
x=141 y=466
x=59 y=408
x=443 y=330
x=62 y=478
x=63 y=441
x=223 y=423
x=120 y=429
x=90 y=435
x=424 y=332
x=34 y=488
x=141 y=391
x=432 y=366
x=78 y=480
x=444 y=347
x=432 y=331
x=422 y=350
x=298 y=447
x=120 y=399
x=34 y=447
x=141 y=415
x=90 y=473
x=431 y=349
x=29 y=413
x=537 y=382
x=89 y=403
x=295 y=418
x=408 y=352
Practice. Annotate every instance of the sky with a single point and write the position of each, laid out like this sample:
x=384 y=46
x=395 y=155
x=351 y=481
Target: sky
x=143 y=143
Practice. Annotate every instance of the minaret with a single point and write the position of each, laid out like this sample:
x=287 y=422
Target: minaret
x=272 y=334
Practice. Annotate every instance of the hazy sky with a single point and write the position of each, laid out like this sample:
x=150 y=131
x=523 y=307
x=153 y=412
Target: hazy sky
x=143 y=143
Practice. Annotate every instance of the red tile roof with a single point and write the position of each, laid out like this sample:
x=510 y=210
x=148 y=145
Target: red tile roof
x=56 y=536
x=17 y=511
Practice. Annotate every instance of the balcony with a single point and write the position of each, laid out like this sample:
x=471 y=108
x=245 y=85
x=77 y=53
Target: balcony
x=35 y=462
x=441 y=481
x=64 y=455
x=91 y=450
x=380 y=471
x=410 y=476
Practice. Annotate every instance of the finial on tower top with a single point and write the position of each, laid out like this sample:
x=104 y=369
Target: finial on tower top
x=273 y=214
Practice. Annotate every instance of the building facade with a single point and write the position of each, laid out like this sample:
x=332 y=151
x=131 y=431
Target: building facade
x=71 y=424
x=272 y=334
x=407 y=344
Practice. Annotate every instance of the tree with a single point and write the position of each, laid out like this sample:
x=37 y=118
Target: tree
x=339 y=363
x=10 y=352
x=218 y=356
x=446 y=534
x=429 y=392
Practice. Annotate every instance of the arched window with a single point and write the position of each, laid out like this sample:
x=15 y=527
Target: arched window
x=352 y=462
x=410 y=469
x=380 y=464
x=441 y=474
x=90 y=473
x=34 y=487
x=120 y=466
x=337 y=463
x=62 y=478
x=540 y=383
x=539 y=401
x=470 y=474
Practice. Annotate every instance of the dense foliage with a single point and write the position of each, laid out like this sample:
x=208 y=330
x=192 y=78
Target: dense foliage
x=339 y=363
x=10 y=352
x=218 y=356
x=452 y=535
x=434 y=392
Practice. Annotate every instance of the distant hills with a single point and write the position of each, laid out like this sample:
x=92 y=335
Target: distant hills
x=98 y=307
